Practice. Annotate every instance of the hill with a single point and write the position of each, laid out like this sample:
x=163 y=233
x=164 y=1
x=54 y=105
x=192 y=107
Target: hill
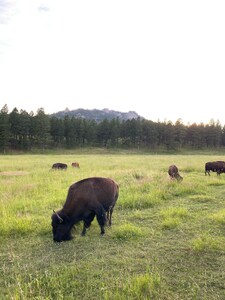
x=97 y=114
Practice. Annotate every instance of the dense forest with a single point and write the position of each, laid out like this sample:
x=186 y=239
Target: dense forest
x=20 y=130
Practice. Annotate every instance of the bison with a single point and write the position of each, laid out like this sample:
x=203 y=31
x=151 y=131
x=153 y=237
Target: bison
x=75 y=165
x=59 y=166
x=215 y=166
x=86 y=199
x=174 y=173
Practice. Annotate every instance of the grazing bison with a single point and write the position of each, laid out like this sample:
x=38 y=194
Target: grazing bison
x=75 y=165
x=85 y=199
x=215 y=166
x=174 y=173
x=59 y=166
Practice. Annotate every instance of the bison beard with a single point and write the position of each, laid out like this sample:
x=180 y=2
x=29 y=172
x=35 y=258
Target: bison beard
x=86 y=199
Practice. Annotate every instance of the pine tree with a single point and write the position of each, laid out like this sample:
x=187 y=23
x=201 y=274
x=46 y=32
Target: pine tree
x=4 y=128
x=41 y=129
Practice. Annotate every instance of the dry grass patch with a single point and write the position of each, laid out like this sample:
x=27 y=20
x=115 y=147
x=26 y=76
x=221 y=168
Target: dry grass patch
x=201 y=198
x=14 y=173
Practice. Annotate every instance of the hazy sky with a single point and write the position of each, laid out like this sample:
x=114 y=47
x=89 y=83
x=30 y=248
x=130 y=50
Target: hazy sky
x=164 y=59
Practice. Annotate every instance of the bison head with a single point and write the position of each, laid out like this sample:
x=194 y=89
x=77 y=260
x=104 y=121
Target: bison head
x=61 y=227
x=178 y=177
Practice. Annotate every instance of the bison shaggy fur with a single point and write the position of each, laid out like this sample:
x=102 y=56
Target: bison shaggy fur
x=90 y=197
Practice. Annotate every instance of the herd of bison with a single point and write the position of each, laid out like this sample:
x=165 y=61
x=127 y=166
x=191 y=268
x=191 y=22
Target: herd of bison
x=97 y=196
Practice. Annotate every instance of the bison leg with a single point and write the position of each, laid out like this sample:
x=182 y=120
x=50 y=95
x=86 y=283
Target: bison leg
x=109 y=216
x=207 y=172
x=101 y=218
x=87 y=222
x=218 y=172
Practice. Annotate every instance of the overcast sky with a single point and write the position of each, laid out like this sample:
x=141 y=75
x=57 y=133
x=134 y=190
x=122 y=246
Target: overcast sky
x=164 y=59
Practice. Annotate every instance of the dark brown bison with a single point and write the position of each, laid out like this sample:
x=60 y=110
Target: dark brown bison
x=86 y=199
x=174 y=173
x=215 y=166
x=59 y=166
x=75 y=165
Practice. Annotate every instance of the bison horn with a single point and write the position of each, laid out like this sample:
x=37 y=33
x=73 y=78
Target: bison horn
x=58 y=216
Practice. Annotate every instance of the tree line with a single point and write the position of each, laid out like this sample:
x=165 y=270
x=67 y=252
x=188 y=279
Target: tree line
x=20 y=130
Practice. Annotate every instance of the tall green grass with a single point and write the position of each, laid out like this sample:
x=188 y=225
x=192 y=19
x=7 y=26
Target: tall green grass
x=167 y=240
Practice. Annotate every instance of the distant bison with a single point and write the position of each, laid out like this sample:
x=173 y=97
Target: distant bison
x=59 y=166
x=174 y=173
x=86 y=199
x=215 y=166
x=75 y=165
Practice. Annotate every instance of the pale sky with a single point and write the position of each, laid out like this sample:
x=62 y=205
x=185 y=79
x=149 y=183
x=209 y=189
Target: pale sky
x=164 y=59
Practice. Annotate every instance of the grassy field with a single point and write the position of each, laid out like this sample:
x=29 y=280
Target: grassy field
x=167 y=240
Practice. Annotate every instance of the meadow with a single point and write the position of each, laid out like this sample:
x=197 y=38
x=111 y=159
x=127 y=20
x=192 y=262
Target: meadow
x=167 y=239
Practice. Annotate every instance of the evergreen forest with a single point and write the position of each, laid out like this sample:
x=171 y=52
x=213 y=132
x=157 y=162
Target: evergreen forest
x=20 y=130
